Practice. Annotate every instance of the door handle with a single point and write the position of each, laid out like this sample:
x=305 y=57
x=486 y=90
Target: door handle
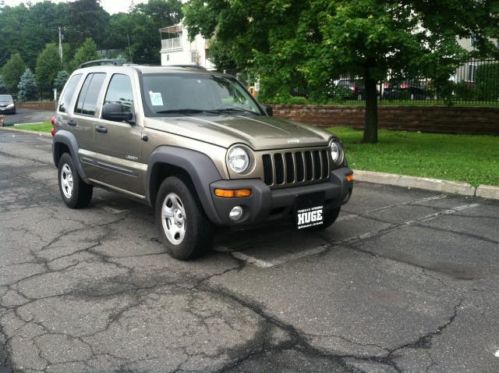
x=72 y=123
x=101 y=129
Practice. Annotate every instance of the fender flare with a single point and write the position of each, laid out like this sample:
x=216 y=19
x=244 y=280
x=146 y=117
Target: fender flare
x=68 y=139
x=198 y=166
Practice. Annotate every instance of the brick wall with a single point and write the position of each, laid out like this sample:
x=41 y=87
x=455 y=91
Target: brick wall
x=483 y=121
x=37 y=105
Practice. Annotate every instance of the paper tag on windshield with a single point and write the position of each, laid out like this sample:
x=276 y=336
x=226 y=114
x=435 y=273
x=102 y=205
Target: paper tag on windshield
x=156 y=98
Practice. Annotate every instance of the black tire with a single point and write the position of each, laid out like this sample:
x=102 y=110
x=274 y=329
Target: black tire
x=81 y=193
x=330 y=216
x=197 y=230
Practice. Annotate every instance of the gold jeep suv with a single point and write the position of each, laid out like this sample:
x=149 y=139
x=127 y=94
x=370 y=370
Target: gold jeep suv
x=197 y=147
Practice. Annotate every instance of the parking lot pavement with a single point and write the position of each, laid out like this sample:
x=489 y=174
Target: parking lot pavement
x=28 y=116
x=406 y=280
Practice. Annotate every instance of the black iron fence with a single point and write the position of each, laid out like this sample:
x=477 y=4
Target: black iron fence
x=474 y=83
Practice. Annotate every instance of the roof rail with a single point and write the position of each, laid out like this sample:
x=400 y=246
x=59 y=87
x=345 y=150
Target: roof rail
x=112 y=62
x=188 y=66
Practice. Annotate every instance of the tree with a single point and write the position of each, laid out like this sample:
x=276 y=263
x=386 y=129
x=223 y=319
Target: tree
x=60 y=80
x=3 y=87
x=87 y=52
x=12 y=72
x=27 y=87
x=47 y=66
x=86 y=19
x=304 y=45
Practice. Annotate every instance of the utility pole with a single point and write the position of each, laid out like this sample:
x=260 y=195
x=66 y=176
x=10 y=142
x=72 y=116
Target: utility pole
x=60 y=45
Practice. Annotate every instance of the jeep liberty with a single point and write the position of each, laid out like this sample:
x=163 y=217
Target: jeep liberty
x=198 y=148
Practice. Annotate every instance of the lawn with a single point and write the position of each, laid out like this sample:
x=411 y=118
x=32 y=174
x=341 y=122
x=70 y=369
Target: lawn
x=38 y=127
x=473 y=159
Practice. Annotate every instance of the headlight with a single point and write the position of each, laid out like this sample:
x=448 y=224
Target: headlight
x=337 y=154
x=10 y=106
x=238 y=159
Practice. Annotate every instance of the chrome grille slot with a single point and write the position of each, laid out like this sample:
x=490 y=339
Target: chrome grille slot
x=290 y=168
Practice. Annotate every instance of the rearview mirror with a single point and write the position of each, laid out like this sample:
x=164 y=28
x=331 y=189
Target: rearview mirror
x=116 y=113
x=269 y=110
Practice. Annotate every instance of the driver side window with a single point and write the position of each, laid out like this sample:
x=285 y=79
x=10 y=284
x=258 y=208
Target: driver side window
x=120 y=92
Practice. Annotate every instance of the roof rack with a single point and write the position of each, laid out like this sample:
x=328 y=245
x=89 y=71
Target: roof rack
x=188 y=66
x=112 y=62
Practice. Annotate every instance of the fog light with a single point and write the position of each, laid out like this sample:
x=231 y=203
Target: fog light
x=236 y=213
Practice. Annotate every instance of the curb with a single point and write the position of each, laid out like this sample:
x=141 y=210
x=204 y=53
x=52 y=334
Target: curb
x=12 y=129
x=437 y=185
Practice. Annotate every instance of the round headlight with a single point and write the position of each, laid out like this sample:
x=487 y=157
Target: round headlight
x=238 y=159
x=336 y=152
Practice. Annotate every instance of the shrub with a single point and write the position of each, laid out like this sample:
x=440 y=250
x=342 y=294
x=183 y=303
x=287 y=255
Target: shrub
x=28 y=89
x=487 y=81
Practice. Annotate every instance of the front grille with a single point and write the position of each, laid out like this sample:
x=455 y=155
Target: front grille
x=295 y=167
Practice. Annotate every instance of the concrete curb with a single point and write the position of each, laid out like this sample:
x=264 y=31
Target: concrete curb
x=488 y=191
x=13 y=129
x=437 y=185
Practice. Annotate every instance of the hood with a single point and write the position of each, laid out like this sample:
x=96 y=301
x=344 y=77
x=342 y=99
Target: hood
x=258 y=132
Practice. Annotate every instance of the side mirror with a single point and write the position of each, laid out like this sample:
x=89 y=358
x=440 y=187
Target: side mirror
x=114 y=112
x=268 y=109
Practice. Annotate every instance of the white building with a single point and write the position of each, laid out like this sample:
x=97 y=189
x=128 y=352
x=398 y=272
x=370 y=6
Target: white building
x=177 y=49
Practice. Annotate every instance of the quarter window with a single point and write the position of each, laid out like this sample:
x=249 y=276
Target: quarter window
x=69 y=92
x=87 y=101
x=120 y=92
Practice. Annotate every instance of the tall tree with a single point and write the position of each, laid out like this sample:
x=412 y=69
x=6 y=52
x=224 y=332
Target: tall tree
x=3 y=87
x=27 y=87
x=48 y=65
x=86 y=19
x=87 y=52
x=12 y=72
x=308 y=43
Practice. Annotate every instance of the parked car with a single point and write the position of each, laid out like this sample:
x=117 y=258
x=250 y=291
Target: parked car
x=197 y=147
x=7 y=105
x=353 y=89
x=405 y=91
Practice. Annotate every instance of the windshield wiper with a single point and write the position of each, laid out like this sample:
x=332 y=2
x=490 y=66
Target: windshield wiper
x=236 y=110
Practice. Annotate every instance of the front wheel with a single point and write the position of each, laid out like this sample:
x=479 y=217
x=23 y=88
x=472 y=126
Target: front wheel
x=184 y=228
x=75 y=192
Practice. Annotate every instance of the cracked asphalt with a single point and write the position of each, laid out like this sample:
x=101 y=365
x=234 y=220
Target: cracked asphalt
x=405 y=281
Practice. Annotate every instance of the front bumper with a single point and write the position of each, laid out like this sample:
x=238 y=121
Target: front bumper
x=271 y=204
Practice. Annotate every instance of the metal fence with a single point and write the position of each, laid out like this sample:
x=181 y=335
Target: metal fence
x=474 y=83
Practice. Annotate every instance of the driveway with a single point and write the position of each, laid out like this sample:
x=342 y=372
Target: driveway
x=406 y=280
x=28 y=116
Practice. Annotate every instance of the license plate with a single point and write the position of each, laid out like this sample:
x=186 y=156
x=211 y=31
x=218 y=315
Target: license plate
x=309 y=211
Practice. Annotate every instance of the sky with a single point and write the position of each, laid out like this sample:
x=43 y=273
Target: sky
x=111 y=6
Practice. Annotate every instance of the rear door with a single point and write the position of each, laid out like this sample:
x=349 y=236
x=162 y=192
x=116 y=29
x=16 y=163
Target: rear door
x=118 y=144
x=83 y=121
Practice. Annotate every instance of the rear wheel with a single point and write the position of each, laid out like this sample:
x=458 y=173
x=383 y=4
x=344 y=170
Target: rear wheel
x=74 y=191
x=184 y=228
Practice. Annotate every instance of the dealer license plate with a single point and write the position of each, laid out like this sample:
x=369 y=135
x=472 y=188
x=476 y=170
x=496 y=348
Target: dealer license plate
x=309 y=210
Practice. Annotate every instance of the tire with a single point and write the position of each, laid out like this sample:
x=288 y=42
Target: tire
x=184 y=228
x=75 y=193
x=330 y=216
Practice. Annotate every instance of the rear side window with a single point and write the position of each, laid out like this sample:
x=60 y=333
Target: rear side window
x=68 y=93
x=89 y=94
x=120 y=92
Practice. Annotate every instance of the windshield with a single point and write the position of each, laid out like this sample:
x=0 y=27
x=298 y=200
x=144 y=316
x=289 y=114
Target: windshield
x=6 y=98
x=195 y=94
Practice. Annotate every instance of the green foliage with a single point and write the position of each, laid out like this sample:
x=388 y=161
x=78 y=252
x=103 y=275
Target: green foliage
x=464 y=91
x=47 y=66
x=87 y=52
x=304 y=45
x=86 y=19
x=3 y=87
x=487 y=81
x=60 y=80
x=12 y=72
x=28 y=89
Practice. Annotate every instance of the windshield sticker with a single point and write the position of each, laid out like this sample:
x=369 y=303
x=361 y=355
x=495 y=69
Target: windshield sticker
x=156 y=98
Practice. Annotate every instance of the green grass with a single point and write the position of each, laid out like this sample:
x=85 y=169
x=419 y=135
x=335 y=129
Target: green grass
x=39 y=127
x=473 y=159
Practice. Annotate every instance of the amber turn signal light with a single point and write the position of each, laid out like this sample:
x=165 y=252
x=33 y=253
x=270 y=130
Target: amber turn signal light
x=349 y=178
x=233 y=193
